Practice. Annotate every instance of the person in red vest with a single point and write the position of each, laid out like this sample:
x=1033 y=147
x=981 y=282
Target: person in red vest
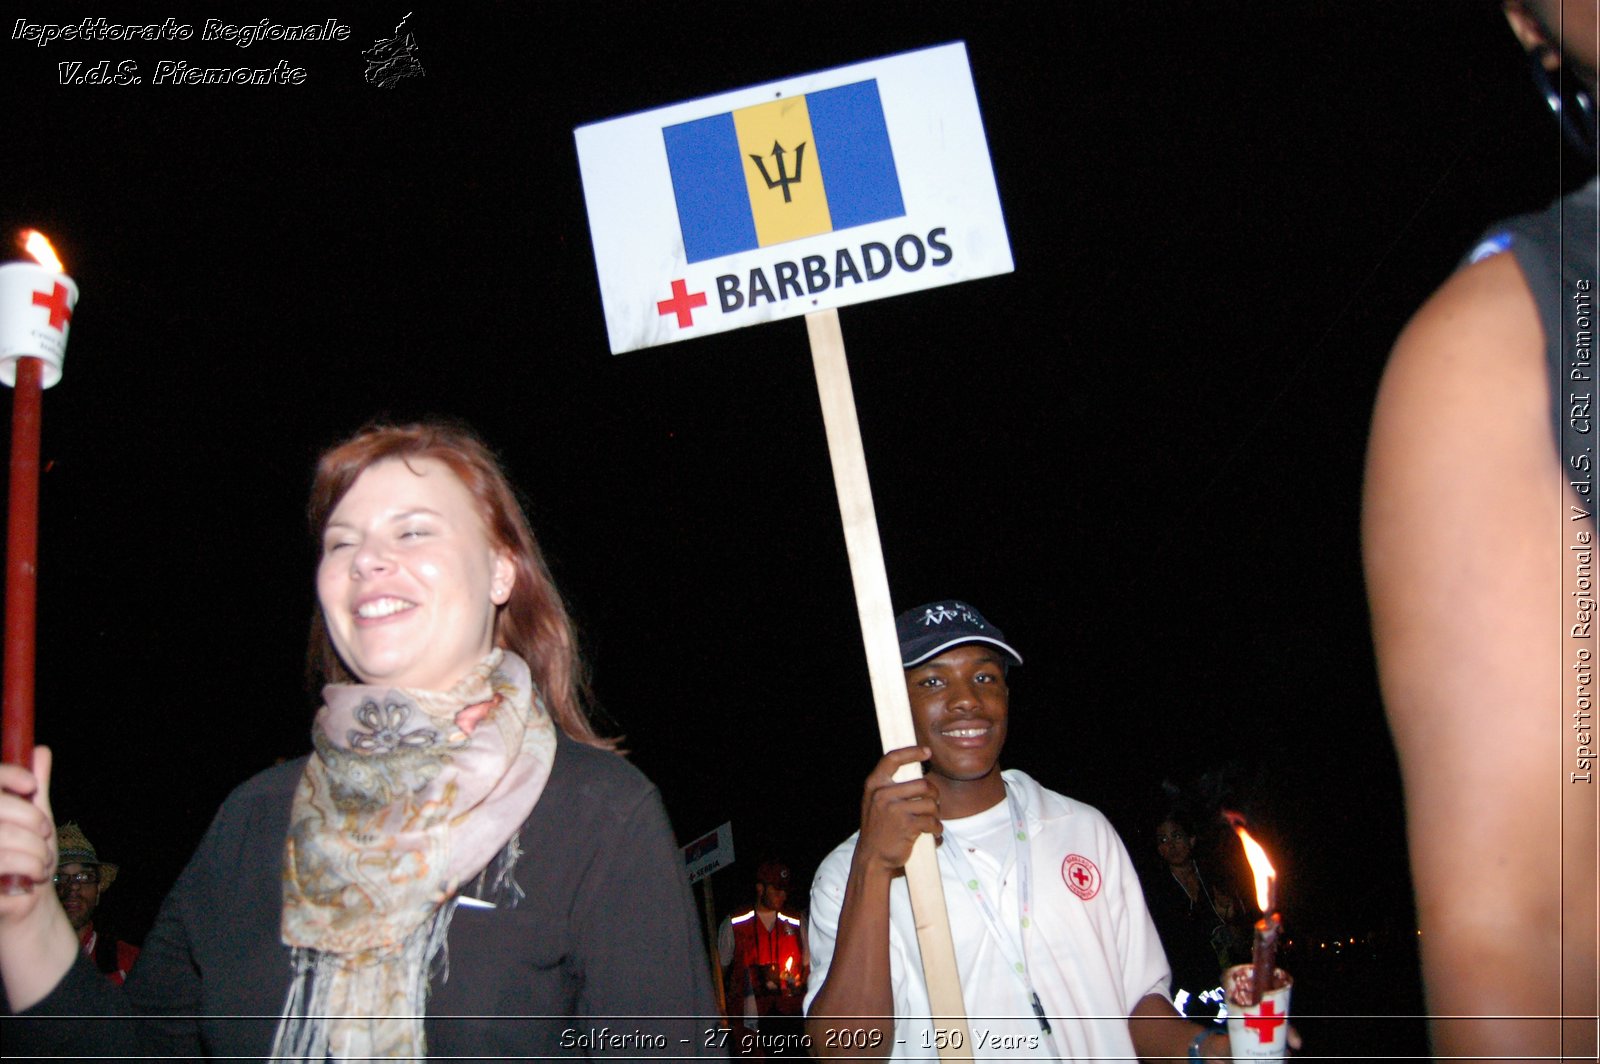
x=765 y=962
x=80 y=879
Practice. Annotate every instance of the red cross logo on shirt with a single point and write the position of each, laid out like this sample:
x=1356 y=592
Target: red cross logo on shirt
x=1081 y=876
x=56 y=300
x=1266 y=1025
x=682 y=304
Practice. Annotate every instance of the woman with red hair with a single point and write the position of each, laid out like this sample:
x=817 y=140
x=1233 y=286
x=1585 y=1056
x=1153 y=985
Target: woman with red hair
x=459 y=848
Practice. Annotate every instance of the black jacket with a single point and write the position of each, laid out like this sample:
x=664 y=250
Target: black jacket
x=602 y=957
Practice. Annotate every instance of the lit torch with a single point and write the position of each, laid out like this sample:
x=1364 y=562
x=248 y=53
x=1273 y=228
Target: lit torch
x=36 y=304
x=1264 y=946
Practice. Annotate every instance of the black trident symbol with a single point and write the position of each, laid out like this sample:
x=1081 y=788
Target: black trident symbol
x=783 y=180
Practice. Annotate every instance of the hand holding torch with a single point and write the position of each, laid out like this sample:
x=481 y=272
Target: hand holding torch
x=36 y=304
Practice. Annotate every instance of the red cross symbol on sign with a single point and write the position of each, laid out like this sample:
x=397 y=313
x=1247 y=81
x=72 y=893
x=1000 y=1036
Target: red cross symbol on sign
x=1266 y=1024
x=60 y=313
x=682 y=304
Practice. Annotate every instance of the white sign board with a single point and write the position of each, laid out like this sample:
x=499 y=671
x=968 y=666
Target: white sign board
x=709 y=852
x=819 y=191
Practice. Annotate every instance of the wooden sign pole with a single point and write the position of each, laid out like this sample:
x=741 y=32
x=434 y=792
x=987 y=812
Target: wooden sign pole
x=883 y=667
x=710 y=909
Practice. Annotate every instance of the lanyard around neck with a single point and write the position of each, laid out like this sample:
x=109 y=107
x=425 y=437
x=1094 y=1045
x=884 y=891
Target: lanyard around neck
x=991 y=916
x=1205 y=892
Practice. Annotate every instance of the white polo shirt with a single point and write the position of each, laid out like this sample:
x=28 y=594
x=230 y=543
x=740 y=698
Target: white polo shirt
x=1091 y=949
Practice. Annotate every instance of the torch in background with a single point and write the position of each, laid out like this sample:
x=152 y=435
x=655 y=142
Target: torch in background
x=1258 y=992
x=36 y=304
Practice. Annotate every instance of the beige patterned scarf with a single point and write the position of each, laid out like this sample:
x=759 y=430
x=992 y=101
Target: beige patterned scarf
x=409 y=794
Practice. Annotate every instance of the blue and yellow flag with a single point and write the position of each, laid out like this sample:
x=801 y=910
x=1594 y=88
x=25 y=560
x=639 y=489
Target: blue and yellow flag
x=783 y=170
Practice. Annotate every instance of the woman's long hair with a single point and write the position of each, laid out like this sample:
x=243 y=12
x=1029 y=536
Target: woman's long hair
x=532 y=623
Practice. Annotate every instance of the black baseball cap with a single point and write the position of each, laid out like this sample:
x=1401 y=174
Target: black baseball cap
x=932 y=629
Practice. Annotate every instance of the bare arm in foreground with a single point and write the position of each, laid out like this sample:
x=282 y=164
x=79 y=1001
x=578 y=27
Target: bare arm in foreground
x=1466 y=526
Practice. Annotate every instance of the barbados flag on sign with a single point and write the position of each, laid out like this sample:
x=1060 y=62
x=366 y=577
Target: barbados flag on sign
x=782 y=170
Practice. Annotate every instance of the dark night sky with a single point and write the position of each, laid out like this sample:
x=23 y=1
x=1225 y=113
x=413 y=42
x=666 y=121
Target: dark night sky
x=1139 y=454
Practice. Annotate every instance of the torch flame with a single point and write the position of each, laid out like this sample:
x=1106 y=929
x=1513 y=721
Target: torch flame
x=37 y=244
x=1260 y=868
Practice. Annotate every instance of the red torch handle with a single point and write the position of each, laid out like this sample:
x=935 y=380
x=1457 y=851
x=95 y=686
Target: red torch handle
x=22 y=560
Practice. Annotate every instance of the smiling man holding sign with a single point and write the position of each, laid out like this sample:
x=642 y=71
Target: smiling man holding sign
x=1057 y=953
x=799 y=197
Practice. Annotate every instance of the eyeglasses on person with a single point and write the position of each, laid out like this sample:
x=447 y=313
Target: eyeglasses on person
x=76 y=879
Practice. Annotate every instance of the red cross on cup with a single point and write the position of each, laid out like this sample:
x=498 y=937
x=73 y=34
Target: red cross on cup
x=1266 y=1024
x=56 y=301
x=1257 y=1031
x=36 y=305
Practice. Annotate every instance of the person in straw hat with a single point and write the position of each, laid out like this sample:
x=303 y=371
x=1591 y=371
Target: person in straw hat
x=80 y=879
